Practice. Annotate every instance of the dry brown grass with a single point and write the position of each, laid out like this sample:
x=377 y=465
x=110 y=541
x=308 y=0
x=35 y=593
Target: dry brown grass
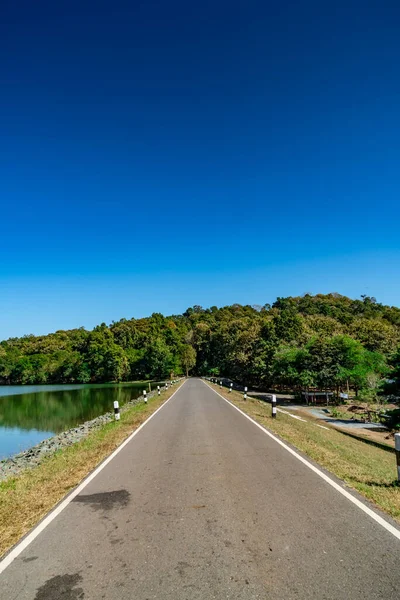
x=366 y=468
x=28 y=497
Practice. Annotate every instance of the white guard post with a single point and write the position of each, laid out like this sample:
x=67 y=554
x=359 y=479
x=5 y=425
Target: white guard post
x=117 y=415
x=397 y=447
x=273 y=406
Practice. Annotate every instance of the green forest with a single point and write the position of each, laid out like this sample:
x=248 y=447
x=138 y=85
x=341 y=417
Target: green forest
x=313 y=341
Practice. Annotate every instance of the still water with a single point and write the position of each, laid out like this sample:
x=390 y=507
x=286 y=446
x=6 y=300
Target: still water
x=30 y=414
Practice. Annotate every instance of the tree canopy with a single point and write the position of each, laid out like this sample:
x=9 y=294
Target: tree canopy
x=326 y=341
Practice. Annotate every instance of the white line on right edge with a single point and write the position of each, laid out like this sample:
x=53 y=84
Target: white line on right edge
x=320 y=473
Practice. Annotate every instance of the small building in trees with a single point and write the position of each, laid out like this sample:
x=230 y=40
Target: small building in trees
x=314 y=397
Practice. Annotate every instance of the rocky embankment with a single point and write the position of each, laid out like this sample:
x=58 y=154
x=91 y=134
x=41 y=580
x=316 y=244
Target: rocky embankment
x=34 y=456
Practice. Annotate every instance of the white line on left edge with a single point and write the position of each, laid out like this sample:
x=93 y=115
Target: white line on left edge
x=390 y=528
x=20 y=547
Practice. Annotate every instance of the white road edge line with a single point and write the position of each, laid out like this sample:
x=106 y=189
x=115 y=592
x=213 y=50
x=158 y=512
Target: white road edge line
x=322 y=426
x=20 y=547
x=337 y=487
x=290 y=415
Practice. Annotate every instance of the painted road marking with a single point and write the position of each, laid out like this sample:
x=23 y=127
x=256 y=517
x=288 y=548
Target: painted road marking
x=390 y=528
x=300 y=419
x=20 y=547
x=290 y=415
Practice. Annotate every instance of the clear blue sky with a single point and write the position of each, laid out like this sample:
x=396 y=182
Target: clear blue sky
x=156 y=155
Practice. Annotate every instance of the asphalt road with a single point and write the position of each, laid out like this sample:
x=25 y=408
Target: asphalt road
x=201 y=504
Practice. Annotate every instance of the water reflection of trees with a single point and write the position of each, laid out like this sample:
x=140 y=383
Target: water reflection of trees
x=60 y=410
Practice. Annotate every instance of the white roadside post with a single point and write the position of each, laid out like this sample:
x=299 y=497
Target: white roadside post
x=245 y=393
x=220 y=384
x=158 y=390
x=230 y=387
x=117 y=415
x=273 y=406
x=397 y=447
x=145 y=396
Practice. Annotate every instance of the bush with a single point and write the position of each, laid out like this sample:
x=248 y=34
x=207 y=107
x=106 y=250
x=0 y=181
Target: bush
x=391 y=418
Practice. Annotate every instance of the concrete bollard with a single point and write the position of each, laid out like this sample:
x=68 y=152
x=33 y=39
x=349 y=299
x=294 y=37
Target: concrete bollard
x=245 y=393
x=397 y=447
x=158 y=390
x=145 y=396
x=117 y=415
x=273 y=406
x=230 y=387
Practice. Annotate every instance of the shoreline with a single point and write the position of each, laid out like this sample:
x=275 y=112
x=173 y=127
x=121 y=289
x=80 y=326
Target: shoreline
x=30 y=494
x=33 y=456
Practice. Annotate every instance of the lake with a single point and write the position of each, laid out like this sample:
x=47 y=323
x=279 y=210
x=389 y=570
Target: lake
x=32 y=413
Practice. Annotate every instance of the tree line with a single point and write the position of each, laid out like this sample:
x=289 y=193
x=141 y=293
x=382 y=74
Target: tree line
x=313 y=341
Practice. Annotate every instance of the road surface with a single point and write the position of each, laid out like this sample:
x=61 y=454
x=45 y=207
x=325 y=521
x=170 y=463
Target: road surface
x=201 y=504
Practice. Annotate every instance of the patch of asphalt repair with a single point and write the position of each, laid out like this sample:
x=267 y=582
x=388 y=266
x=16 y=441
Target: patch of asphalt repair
x=61 y=587
x=105 y=500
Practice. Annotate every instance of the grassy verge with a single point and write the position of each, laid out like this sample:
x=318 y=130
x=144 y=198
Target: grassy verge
x=368 y=469
x=28 y=497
